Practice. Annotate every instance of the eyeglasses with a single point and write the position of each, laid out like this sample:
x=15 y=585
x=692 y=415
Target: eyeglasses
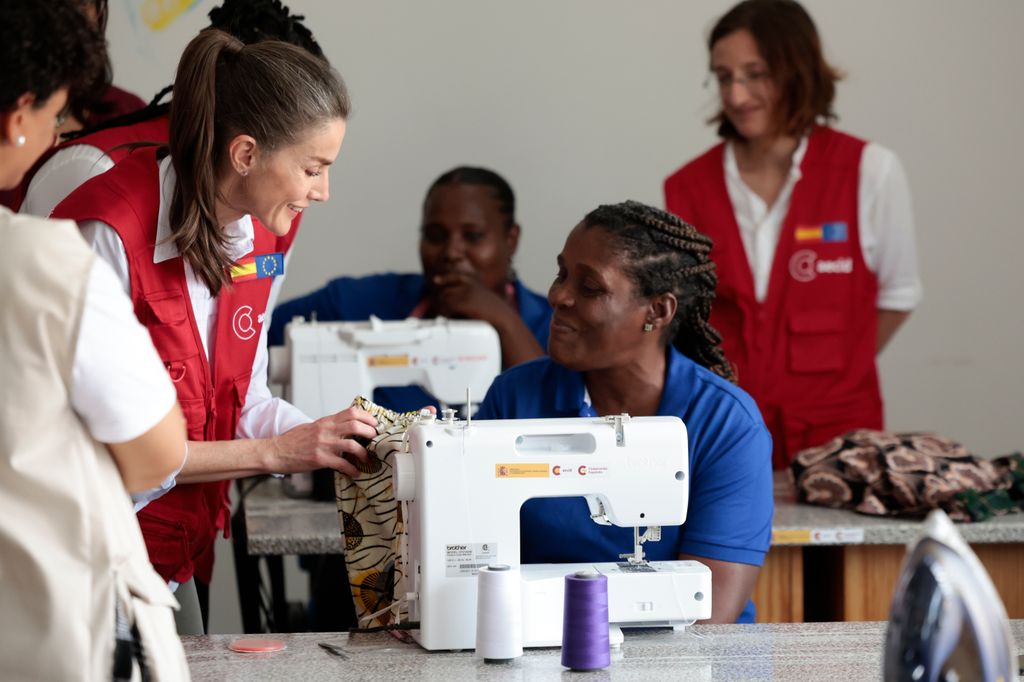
x=754 y=82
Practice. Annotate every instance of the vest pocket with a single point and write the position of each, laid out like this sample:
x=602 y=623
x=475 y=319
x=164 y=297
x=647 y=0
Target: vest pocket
x=165 y=307
x=817 y=341
x=165 y=315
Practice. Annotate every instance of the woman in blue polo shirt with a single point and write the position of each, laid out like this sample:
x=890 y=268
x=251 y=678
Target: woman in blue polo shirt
x=631 y=281
x=468 y=237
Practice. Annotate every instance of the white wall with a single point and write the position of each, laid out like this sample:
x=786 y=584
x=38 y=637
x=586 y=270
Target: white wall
x=581 y=102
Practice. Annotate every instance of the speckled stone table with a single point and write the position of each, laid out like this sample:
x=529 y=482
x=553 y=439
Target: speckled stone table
x=834 y=564
x=825 y=564
x=796 y=652
x=805 y=524
x=279 y=525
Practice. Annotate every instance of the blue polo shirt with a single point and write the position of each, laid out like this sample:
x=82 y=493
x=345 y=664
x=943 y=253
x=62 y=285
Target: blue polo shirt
x=730 y=511
x=390 y=296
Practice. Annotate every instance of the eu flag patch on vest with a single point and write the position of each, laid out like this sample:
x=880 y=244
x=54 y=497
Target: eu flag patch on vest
x=258 y=267
x=826 y=232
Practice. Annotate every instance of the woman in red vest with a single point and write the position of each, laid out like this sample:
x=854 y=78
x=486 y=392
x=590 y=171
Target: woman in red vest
x=812 y=227
x=253 y=130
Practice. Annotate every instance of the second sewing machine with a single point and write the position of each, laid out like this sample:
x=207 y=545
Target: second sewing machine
x=324 y=365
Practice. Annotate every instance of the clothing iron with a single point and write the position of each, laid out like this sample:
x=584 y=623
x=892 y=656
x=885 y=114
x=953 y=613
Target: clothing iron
x=947 y=622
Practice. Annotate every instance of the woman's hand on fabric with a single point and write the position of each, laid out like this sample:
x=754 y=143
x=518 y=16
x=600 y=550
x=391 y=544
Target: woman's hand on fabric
x=327 y=443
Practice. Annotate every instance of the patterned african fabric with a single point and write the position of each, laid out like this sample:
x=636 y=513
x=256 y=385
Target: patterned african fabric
x=907 y=474
x=372 y=521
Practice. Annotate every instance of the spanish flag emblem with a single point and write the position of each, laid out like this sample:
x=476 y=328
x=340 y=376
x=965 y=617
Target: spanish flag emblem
x=258 y=267
x=826 y=232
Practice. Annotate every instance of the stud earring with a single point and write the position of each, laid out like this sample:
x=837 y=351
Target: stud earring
x=20 y=141
x=648 y=327
x=244 y=172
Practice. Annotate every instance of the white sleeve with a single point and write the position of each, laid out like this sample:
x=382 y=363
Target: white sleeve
x=887 y=229
x=62 y=174
x=107 y=244
x=140 y=500
x=145 y=384
x=263 y=415
x=119 y=386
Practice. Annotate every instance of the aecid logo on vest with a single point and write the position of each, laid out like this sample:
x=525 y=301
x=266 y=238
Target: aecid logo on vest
x=804 y=265
x=242 y=323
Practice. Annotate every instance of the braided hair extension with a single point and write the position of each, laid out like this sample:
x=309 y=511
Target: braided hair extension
x=664 y=254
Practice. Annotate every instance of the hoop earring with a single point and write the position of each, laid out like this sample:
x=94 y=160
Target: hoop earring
x=20 y=141
x=648 y=327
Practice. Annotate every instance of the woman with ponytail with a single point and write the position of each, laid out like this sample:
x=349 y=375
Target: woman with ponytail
x=632 y=281
x=193 y=231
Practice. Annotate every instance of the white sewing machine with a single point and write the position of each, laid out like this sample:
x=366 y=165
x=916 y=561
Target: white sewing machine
x=325 y=365
x=465 y=482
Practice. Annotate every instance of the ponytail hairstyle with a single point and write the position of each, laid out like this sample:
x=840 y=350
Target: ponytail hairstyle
x=661 y=253
x=251 y=21
x=271 y=90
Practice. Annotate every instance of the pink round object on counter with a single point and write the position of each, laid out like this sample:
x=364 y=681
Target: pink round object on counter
x=256 y=646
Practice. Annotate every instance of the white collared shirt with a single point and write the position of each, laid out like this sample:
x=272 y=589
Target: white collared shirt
x=263 y=416
x=885 y=217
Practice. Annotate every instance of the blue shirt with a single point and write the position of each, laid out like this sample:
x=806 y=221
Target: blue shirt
x=390 y=296
x=730 y=511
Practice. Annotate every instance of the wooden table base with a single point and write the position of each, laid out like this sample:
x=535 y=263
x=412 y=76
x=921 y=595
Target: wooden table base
x=855 y=582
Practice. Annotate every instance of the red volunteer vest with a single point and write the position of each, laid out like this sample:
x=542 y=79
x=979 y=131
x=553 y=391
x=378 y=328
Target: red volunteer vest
x=112 y=141
x=180 y=527
x=807 y=352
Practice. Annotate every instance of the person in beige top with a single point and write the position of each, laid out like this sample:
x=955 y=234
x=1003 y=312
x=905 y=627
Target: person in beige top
x=87 y=411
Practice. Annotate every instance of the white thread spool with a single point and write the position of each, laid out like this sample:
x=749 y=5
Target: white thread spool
x=499 y=613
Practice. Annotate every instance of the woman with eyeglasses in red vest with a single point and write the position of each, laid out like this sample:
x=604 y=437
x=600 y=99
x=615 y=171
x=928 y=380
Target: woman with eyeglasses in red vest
x=192 y=230
x=812 y=229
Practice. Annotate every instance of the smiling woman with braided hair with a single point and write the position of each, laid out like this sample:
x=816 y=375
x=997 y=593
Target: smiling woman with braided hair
x=633 y=282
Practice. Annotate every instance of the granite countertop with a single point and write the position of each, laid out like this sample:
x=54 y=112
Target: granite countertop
x=278 y=524
x=797 y=652
x=805 y=524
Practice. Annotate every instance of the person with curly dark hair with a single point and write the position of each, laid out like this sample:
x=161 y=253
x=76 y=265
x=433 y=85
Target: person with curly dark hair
x=630 y=334
x=101 y=101
x=813 y=230
x=87 y=411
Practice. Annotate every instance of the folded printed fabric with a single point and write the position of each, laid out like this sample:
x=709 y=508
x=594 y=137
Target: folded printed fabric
x=907 y=474
x=372 y=522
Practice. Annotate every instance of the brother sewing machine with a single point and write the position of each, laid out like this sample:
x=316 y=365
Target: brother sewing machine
x=466 y=480
x=324 y=365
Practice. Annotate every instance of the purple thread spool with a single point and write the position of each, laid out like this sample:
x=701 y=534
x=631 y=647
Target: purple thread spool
x=585 y=643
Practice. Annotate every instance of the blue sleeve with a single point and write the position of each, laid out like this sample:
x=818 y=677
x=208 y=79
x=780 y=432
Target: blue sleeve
x=492 y=406
x=320 y=302
x=535 y=311
x=729 y=516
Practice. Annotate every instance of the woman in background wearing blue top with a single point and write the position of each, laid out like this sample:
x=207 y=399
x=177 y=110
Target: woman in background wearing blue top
x=631 y=281
x=468 y=237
